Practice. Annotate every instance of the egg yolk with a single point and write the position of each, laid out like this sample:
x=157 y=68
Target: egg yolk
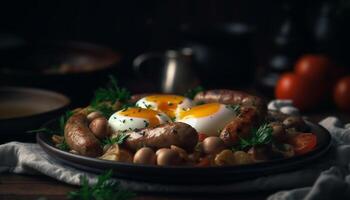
x=200 y=111
x=166 y=103
x=150 y=115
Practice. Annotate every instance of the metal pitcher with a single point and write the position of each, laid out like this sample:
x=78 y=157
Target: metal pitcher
x=177 y=72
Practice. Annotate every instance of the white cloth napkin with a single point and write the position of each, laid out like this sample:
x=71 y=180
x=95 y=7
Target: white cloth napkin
x=328 y=178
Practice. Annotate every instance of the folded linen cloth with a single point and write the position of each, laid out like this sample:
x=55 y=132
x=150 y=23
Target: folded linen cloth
x=327 y=178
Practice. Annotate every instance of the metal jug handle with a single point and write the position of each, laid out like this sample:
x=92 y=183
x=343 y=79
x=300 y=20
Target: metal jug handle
x=139 y=60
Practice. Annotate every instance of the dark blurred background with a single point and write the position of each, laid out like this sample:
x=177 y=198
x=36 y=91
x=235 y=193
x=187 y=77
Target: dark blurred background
x=234 y=44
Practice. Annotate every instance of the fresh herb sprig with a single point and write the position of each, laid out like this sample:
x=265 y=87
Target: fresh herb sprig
x=62 y=123
x=104 y=109
x=111 y=93
x=63 y=120
x=236 y=108
x=260 y=136
x=106 y=97
x=191 y=93
x=60 y=131
x=119 y=139
x=63 y=146
x=104 y=189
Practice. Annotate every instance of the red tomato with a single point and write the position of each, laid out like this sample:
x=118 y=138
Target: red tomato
x=204 y=162
x=304 y=93
x=314 y=67
x=341 y=94
x=201 y=137
x=303 y=143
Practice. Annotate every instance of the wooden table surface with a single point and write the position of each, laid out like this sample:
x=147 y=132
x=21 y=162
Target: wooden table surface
x=34 y=187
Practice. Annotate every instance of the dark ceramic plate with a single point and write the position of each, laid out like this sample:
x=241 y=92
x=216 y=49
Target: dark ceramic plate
x=186 y=175
x=23 y=109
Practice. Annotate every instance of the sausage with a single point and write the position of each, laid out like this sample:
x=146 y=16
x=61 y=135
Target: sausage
x=240 y=126
x=79 y=137
x=163 y=136
x=225 y=96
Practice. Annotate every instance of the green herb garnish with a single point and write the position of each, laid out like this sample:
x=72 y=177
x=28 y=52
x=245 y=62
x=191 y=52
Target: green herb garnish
x=63 y=120
x=104 y=109
x=62 y=123
x=106 y=97
x=119 y=139
x=191 y=93
x=63 y=146
x=261 y=136
x=236 y=108
x=104 y=189
x=111 y=93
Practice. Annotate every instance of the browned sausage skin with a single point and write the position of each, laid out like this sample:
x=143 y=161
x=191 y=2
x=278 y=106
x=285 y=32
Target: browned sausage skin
x=163 y=136
x=240 y=126
x=225 y=96
x=253 y=110
x=79 y=137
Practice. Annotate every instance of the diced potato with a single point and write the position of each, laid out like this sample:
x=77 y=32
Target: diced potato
x=243 y=158
x=117 y=154
x=225 y=158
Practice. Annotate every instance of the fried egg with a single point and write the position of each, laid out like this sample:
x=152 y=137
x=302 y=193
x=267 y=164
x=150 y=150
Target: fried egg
x=171 y=105
x=136 y=118
x=209 y=119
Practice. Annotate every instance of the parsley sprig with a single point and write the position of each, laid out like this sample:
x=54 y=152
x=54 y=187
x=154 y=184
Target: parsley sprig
x=191 y=93
x=104 y=189
x=260 y=136
x=62 y=123
x=106 y=97
x=60 y=131
x=119 y=139
x=111 y=93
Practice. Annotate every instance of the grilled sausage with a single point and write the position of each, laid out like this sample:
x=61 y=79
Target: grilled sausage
x=240 y=126
x=79 y=137
x=232 y=97
x=163 y=136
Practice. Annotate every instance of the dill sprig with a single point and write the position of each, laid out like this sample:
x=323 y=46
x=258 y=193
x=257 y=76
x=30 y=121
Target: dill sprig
x=105 y=189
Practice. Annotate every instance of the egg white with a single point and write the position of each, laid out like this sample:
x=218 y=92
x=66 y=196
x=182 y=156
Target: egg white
x=212 y=124
x=121 y=123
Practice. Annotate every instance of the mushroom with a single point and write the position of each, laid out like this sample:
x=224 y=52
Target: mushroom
x=145 y=155
x=278 y=131
x=93 y=115
x=182 y=153
x=295 y=122
x=213 y=145
x=99 y=127
x=167 y=157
